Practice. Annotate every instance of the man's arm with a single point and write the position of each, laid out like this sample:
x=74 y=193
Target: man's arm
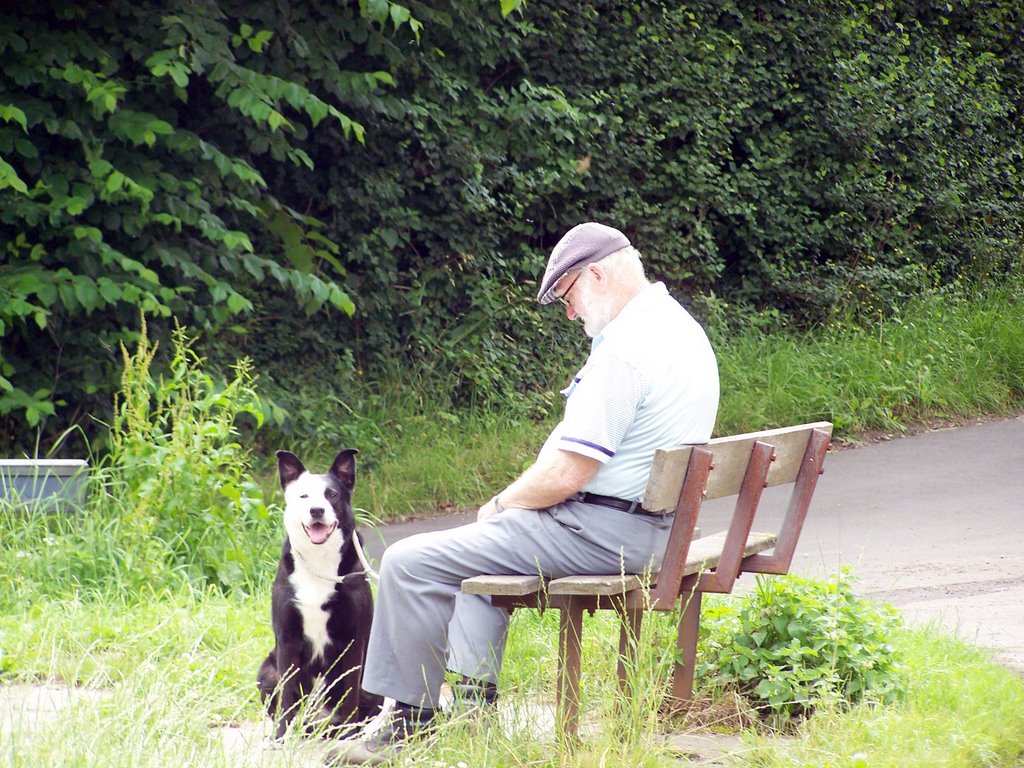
x=555 y=476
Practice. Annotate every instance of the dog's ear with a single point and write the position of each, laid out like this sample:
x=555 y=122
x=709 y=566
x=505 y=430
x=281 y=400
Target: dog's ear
x=288 y=467
x=344 y=467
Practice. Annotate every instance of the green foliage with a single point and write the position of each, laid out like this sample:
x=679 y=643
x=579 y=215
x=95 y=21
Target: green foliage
x=767 y=155
x=946 y=355
x=135 y=140
x=793 y=643
x=803 y=155
x=446 y=212
x=259 y=168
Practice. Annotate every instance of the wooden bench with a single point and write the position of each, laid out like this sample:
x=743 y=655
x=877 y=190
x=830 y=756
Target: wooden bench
x=681 y=479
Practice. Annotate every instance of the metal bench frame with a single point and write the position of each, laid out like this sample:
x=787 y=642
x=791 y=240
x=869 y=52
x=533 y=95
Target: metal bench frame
x=681 y=478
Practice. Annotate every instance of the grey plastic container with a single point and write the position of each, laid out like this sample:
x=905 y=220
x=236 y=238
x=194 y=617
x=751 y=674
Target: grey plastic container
x=47 y=484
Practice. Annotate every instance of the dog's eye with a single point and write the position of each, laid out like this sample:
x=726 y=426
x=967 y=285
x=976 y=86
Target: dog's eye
x=304 y=496
x=330 y=493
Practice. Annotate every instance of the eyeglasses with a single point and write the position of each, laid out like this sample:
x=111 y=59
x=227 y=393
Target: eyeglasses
x=562 y=298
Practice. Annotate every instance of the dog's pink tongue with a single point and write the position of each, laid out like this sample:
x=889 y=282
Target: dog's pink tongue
x=319 y=533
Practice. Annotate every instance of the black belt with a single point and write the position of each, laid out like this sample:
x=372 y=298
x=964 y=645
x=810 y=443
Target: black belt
x=633 y=507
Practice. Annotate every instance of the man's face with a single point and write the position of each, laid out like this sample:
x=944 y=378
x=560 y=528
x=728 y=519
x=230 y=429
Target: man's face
x=585 y=299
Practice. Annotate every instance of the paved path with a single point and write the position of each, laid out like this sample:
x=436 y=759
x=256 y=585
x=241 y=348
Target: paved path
x=932 y=523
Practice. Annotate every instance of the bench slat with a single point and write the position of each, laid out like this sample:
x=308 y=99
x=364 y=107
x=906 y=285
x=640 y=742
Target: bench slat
x=595 y=585
x=502 y=585
x=705 y=553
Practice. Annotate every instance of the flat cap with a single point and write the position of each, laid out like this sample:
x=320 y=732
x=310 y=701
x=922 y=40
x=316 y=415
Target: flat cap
x=583 y=244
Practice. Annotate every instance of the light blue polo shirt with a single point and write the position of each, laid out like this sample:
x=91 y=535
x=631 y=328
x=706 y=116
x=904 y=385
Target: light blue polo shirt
x=651 y=381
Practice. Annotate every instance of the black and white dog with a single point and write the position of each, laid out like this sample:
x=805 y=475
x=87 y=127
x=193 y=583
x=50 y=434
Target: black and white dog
x=321 y=604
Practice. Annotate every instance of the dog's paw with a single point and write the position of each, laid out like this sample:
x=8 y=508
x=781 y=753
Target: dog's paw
x=271 y=744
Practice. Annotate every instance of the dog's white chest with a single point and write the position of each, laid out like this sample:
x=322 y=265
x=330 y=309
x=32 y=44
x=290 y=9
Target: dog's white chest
x=311 y=593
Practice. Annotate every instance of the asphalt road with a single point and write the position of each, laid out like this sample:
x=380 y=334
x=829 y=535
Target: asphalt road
x=932 y=523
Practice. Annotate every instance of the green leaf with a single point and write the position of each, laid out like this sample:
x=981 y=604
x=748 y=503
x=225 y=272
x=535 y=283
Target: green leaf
x=238 y=303
x=9 y=113
x=86 y=293
x=259 y=41
x=109 y=290
x=74 y=205
x=88 y=233
x=236 y=239
x=99 y=168
x=399 y=15
x=9 y=178
x=26 y=148
x=115 y=181
x=375 y=10
x=275 y=120
x=317 y=110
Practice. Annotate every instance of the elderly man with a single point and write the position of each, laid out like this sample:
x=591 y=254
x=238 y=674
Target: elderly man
x=651 y=381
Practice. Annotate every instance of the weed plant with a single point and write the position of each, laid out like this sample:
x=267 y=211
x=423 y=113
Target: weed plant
x=793 y=643
x=173 y=503
x=184 y=479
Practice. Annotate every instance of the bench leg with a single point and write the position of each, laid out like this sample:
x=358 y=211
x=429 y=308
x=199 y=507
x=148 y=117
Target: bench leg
x=631 y=620
x=569 y=655
x=686 y=643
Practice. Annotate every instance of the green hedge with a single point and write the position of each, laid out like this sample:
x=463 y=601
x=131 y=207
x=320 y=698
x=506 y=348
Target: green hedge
x=260 y=171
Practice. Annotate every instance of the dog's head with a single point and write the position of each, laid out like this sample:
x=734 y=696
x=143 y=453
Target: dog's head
x=318 y=508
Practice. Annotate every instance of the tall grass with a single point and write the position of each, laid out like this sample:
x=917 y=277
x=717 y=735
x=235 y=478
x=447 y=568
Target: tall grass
x=942 y=357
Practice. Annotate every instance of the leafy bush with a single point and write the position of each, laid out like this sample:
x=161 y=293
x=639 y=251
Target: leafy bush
x=793 y=641
x=135 y=143
x=821 y=161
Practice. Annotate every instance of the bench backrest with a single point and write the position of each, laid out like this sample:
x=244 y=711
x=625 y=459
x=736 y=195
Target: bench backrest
x=739 y=465
x=731 y=455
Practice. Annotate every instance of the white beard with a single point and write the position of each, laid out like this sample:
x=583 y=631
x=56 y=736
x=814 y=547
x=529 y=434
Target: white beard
x=597 y=312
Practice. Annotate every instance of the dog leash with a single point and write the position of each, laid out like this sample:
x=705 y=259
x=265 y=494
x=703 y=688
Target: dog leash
x=367 y=574
x=371 y=574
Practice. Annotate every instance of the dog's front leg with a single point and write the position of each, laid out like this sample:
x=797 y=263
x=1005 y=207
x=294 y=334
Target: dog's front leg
x=296 y=682
x=342 y=683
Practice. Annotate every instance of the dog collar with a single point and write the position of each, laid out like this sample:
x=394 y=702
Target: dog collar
x=348 y=578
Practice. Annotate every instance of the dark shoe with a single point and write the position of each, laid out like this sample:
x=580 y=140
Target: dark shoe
x=469 y=695
x=385 y=744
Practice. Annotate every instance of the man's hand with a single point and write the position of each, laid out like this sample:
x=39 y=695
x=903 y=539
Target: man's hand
x=555 y=477
x=489 y=510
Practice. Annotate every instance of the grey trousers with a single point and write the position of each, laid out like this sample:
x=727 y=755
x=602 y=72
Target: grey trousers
x=424 y=625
